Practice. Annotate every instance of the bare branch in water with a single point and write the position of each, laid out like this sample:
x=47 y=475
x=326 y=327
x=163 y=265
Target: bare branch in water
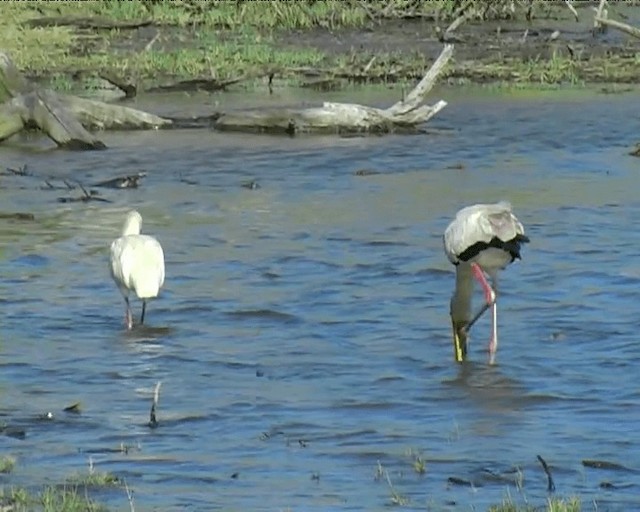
x=129 y=496
x=153 y=422
x=550 y=485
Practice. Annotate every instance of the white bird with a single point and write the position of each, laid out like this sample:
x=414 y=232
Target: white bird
x=137 y=264
x=482 y=239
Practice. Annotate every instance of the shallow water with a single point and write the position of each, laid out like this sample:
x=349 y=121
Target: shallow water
x=302 y=337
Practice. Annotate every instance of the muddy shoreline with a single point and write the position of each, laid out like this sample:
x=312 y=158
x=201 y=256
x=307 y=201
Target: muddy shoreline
x=551 y=49
x=497 y=51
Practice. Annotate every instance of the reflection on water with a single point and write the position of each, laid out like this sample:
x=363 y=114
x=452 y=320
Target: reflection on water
x=303 y=335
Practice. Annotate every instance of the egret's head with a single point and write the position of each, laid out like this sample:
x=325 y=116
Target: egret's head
x=133 y=224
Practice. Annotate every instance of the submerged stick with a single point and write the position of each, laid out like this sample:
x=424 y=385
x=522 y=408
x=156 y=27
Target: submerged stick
x=476 y=317
x=600 y=13
x=153 y=422
x=550 y=485
x=572 y=9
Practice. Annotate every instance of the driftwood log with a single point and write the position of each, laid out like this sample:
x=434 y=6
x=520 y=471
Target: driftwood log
x=405 y=115
x=65 y=119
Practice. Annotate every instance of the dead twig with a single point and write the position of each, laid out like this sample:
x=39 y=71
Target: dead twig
x=129 y=496
x=87 y=195
x=20 y=171
x=153 y=422
x=572 y=9
x=551 y=487
x=368 y=66
x=601 y=12
x=149 y=45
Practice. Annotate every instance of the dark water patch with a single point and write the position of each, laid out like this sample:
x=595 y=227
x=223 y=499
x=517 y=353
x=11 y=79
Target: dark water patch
x=339 y=239
x=385 y=243
x=15 y=432
x=610 y=486
x=459 y=481
x=360 y=321
x=192 y=309
x=147 y=332
x=608 y=465
x=30 y=261
x=123 y=449
x=435 y=272
x=264 y=314
x=355 y=405
x=389 y=379
x=512 y=476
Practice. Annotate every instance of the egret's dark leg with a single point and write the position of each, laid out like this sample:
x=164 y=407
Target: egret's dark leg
x=144 y=307
x=128 y=317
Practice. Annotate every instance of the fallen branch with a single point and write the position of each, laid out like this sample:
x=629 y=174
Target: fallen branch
x=633 y=31
x=405 y=115
x=129 y=89
x=65 y=119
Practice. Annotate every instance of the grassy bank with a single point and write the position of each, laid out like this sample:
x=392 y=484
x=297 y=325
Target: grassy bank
x=150 y=43
x=71 y=496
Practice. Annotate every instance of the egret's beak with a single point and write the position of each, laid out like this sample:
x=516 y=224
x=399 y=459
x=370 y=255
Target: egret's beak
x=459 y=340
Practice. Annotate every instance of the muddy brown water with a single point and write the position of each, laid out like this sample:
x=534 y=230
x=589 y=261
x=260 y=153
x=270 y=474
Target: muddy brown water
x=302 y=338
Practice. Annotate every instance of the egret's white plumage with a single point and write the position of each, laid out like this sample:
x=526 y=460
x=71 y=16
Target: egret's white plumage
x=137 y=264
x=483 y=238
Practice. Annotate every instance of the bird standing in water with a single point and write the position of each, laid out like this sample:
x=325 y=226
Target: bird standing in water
x=137 y=264
x=480 y=241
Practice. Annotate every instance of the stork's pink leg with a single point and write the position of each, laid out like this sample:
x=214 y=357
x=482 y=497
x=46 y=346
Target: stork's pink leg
x=493 y=342
x=489 y=294
x=490 y=299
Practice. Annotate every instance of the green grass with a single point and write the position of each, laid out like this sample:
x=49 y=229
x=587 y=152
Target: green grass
x=6 y=464
x=552 y=505
x=94 y=479
x=50 y=499
x=72 y=496
x=238 y=39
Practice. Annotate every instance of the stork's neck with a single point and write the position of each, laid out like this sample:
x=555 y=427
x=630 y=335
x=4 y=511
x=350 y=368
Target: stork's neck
x=461 y=299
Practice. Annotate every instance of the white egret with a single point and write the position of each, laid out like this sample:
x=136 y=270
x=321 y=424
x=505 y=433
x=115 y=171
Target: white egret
x=482 y=239
x=137 y=264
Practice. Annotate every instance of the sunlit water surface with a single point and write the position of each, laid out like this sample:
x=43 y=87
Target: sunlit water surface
x=302 y=338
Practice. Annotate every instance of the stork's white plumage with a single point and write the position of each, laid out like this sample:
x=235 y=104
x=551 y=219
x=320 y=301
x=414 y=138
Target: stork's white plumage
x=482 y=239
x=137 y=264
